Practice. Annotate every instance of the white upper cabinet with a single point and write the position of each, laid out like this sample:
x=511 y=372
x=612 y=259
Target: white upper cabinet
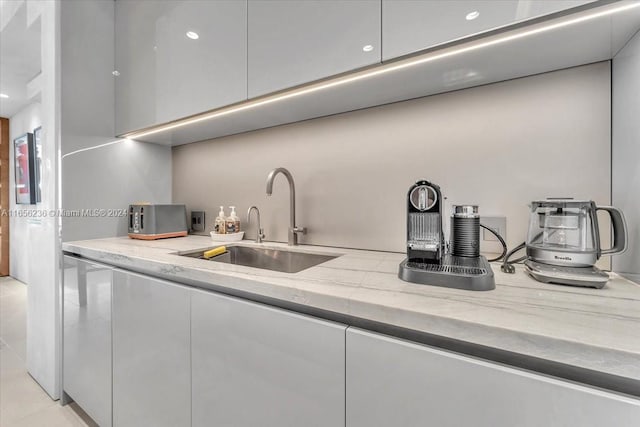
x=178 y=58
x=293 y=42
x=243 y=49
x=412 y=25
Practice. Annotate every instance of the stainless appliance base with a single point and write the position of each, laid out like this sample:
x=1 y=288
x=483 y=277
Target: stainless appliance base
x=472 y=274
x=590 y=277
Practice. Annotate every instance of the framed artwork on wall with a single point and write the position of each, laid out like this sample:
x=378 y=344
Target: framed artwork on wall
x=37 y=141
x=24 y=157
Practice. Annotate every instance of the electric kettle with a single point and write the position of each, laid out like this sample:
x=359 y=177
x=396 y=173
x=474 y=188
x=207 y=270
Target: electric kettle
x=564 y=232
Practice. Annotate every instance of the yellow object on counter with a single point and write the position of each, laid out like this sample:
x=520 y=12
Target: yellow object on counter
x=214 y=252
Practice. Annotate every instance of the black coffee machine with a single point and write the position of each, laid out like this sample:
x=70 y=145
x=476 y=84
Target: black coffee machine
x=425 y=241
x=428 y=262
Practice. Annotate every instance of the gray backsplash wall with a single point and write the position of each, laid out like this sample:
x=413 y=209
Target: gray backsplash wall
x=499 y=146
x=626 y=150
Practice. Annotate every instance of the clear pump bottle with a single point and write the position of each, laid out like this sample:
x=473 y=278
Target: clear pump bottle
x=233 y=221
x=220 y=224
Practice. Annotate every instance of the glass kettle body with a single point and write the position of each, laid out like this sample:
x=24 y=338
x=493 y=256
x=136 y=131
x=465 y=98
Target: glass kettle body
x=565 y=232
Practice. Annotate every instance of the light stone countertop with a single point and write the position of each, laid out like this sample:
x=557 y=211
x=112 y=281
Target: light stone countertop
x=595 y=329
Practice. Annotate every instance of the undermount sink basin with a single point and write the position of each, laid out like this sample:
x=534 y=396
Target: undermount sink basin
x=266 y=258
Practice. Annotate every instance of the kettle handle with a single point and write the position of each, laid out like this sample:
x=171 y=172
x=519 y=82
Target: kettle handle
x=619 y=230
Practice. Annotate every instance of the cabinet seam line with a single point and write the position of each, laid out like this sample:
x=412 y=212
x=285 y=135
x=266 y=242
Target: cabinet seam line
x=345 y=375
x=191 y=358
x=246 y=77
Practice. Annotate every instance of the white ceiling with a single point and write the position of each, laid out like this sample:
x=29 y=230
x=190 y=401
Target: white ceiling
x=19 y=55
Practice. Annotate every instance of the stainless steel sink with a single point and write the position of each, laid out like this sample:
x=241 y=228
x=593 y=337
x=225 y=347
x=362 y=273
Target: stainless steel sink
x=266 y=258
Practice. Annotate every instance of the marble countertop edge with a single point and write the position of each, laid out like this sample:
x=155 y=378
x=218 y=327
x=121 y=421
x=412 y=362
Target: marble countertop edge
x=346 y=291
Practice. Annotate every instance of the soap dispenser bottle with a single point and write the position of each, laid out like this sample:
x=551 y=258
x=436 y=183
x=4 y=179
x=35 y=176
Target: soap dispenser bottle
x=233 y=221
x=220 y=224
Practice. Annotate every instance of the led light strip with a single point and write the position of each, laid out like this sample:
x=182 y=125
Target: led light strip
x=106 y=144
x=383 y=69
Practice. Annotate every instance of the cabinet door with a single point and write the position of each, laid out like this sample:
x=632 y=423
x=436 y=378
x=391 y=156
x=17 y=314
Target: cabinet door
x=163 y=73
x=394 y=382
x=151 y=352
x=259 y=366
x=412 y=25
x=293 y=42
x=86 y=375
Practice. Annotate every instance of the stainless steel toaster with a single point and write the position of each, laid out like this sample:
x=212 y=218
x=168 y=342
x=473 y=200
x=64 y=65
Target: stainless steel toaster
x=151 y=222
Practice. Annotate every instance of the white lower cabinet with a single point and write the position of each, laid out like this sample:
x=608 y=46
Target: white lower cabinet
x=86 y=373
x=140 y=351
x=254 y=365
x=391 y=382
x=151 y=352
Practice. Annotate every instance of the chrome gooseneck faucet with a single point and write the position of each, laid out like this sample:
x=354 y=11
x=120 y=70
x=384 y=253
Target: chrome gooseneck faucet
x=293 y=229
x=259 y=230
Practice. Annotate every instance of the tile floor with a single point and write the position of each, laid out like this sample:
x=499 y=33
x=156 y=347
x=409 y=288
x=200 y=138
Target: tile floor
x=22 y=402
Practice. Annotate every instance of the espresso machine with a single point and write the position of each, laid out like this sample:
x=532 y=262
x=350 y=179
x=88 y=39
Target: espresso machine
x=428 y=261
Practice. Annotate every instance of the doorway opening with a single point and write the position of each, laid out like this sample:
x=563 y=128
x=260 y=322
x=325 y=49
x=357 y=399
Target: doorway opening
x=4 y=196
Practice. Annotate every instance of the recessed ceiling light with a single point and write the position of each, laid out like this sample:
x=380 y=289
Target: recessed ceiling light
x=115 y=73
x=472 y=15
x=367 y=48
x=3 y=95
x=193 y=35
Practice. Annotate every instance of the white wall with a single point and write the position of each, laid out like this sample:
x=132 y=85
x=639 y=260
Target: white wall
x=111 y=176
x=24 y=121
x=34 y=253
x=76 y=112
x=626 y=151
x=499 y=146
